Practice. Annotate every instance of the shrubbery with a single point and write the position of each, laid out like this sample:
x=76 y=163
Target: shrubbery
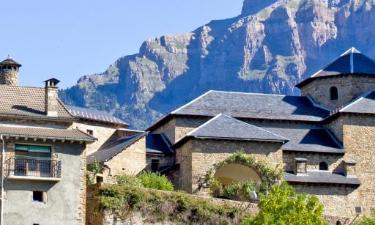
x=166 y=206
x=284 y=206
x=146 y=180
x=236 y=191
x=368 y=220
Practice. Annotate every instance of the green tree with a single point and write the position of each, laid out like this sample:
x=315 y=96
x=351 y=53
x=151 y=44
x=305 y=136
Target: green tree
x=368 y=220
x=283 y=206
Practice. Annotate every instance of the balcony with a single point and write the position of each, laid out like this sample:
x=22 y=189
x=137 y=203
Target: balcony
x=33 y=169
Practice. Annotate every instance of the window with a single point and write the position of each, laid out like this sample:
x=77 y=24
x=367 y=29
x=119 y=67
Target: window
x=155 y=165
x=334 y=95
x=39 y=196
x=90 y=132
x=33 y=152
x=32 y=160
x=323 y=166
x=338 y=222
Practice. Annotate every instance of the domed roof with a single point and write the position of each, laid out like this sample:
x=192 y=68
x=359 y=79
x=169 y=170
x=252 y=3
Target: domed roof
x=9 y=61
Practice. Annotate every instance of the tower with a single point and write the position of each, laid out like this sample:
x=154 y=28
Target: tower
x=9 y=72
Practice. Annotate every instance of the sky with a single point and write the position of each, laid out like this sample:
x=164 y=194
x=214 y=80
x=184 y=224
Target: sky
x=70 y=38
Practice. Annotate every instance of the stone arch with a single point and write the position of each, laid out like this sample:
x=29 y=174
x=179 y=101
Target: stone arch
x=234 y=172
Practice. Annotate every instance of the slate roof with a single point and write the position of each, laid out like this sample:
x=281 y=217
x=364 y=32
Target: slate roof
x=113 y=147
x=95 y=115
x=9 y=61
x=350 y=62
x=27 y=102
x=225 y=127
x=46 y=133
x=308 y=139
x=253 y=105
x=321 y=177
x=159 y=144
x=364 y=104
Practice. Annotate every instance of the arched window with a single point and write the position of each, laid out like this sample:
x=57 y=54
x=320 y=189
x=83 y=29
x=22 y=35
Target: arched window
x=333 y=92
x=323 y=166
x=338 y=222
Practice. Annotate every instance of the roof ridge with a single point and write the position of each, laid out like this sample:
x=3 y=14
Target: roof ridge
x=252 y=93
x=191 y=102
x=356 y=100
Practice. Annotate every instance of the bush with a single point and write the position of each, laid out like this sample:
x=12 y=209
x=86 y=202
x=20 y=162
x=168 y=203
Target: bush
x=284 y=206
x=129 y=180
x=157 y=206
x=146 y=180
x=235 y=191
x=155 y=181
x=368 y=220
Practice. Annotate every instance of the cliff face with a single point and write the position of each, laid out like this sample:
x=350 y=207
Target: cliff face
x=268 y=48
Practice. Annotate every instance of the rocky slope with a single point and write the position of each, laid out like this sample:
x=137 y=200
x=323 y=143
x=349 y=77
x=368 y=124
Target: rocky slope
x=269 y=47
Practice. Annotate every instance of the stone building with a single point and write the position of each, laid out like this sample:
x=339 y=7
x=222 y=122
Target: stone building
x=45 y=147
x=323 y=139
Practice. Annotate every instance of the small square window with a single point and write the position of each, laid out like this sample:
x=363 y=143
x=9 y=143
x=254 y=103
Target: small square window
x=90 y=132
x=39 y=196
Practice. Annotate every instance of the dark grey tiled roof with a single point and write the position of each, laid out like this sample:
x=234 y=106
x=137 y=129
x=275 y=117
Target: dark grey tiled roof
x=9 y=61
x=226 y=127
x=158 y=143
x=252 y=105
x=26 y=102
x=321 y=177
x=364 y=104
x=46 y=133
x=92 y=114
x=113 y=147
x=351 y=62
x=308 y=139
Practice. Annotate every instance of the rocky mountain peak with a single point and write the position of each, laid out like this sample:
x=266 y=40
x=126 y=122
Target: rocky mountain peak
x=269 y=47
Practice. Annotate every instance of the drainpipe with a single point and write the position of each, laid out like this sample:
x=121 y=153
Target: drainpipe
x=2 y=180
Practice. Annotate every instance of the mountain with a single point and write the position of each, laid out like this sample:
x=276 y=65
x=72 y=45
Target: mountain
x=269 y=47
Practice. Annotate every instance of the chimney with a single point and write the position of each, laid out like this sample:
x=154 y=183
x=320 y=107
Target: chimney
x=350 y=168
x=300 y=165
x=9 y=72
x=51 y=96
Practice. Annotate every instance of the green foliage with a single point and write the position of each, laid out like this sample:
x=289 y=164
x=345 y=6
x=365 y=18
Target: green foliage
x=236 y=191
x=93 y=170
x=155 y=181
x=147 y=180
x=173 y=206
x=241 y=191
x=128 y=180
x=368 y=220
x=284 y=206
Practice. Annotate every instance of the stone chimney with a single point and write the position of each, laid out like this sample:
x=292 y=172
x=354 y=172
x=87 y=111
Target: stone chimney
x=9 y=72
x=300 y=165
x=51 y=96
x=350 y=168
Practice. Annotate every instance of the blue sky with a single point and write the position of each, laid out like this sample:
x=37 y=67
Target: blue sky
x=71 y=38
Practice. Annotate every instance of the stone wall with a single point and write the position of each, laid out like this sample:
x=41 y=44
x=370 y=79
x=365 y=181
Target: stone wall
x=349 y=87
x=130 y=161
x=338 y=201
x=334 y=161
x=197 y=156
x=101 y=132
x=359 y=143
x=178 y=127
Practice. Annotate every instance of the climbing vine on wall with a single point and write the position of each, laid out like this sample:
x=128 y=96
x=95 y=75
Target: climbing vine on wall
x=268 y=174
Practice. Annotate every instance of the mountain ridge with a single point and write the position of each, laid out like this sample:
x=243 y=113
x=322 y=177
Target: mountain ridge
x=268 y=48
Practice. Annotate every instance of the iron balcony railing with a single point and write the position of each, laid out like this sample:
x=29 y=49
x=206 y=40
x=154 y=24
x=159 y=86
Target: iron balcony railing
x=33 y=168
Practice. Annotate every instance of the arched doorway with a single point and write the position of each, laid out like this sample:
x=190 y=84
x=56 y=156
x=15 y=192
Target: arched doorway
x=232 y=173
